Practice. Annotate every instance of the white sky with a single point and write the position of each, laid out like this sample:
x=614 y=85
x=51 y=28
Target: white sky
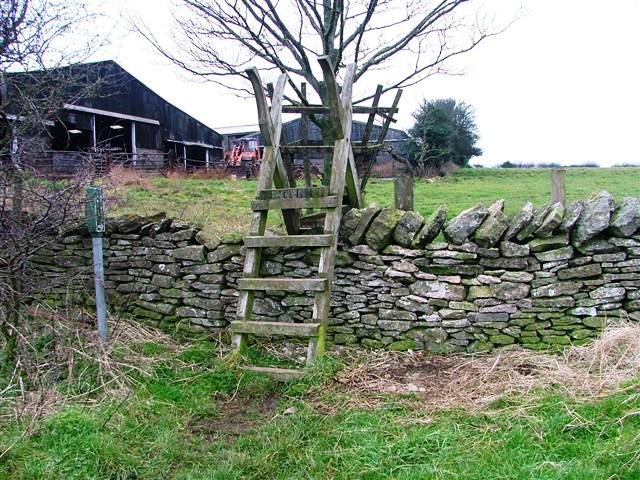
x=561 y=85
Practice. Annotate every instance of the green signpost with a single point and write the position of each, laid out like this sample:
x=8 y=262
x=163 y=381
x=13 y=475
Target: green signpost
x=96 y=225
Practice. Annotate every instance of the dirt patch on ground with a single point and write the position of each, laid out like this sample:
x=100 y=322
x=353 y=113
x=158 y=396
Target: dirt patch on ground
x=237 y=415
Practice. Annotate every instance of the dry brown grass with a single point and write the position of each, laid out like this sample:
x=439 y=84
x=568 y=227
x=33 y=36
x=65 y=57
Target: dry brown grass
x=120 y=176
x=74 y=359
x=200 y=174
x=382 y=169
x=475 y=381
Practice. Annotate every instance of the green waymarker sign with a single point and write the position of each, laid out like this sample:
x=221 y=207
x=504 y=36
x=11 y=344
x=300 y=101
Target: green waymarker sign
x=95 y=212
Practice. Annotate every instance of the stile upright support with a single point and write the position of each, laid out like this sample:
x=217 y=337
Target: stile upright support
x=558 y=194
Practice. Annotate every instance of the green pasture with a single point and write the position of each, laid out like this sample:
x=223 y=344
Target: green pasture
x=223 y=205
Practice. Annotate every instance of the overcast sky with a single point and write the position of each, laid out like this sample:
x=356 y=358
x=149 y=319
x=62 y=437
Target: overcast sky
x=561 y=85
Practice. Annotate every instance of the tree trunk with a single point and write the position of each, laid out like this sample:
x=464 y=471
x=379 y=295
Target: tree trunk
x=328 y=138
x=11 y=313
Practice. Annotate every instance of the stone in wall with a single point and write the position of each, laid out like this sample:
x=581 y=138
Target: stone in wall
x=431 y=228
x=461 y=227
x=519 y=221
x=494 y=226
x=380 y=232
x=626 y=218
x=594 y=218
x=407 y=228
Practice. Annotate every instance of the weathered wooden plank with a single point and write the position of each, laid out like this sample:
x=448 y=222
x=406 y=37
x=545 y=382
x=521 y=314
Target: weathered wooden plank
x=271 y=129
x=322 y=300
x=281 y=178
x=303 y=192
x=558 y=186
x=253 y=256
x=372 y=116
x=278 y=374
x=295 y=148
x=357 y=109
x=276 y=109
x=388 y=120
x=357 y=147
x=295 y=203
x=288 y=160
x=284 y=284
x=305 y=139
x=276 y=328
x=403 y=192
x=288 y=241
x=264 y=119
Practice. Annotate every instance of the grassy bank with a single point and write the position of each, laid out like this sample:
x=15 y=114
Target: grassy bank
x=183 y=413
x=223 y=205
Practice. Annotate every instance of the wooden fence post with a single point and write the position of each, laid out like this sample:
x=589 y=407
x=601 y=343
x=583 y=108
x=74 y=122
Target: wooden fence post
x=403 y=189
x=558 y=186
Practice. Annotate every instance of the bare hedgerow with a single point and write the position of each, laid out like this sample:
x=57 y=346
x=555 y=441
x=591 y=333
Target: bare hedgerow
x=39 y=37
x=35 y=213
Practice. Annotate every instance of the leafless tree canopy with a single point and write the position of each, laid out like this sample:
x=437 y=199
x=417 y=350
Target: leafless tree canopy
x=36 y=37
x=409 y=39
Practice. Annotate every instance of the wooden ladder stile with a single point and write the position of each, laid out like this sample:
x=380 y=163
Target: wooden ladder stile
x=292 y=201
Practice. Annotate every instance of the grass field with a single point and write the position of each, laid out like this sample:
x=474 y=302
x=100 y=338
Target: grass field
x=223 y=205
x=189 y=415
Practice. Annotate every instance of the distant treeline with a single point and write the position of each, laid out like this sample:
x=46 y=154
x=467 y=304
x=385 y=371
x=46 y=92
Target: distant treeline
x=557 y=165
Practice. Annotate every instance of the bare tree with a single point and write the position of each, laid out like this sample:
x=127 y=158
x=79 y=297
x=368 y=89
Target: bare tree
x=408 y=39
x=37 y=37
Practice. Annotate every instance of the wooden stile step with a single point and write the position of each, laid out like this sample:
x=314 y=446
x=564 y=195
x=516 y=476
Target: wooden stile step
x=284 y=284
x=267 y=329
x=288 y=241
x=300 y=192
x=295 y=203
x=280 y=374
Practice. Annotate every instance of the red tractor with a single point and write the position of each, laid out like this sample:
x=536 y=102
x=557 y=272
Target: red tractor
x=244 y=158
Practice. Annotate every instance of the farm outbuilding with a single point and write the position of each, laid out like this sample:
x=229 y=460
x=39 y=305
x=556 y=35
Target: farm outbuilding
x=292 y=130
x=118 y=119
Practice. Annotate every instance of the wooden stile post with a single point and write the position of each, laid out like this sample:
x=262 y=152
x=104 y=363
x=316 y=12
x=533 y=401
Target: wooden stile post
x=403 y=187
x=558 y=193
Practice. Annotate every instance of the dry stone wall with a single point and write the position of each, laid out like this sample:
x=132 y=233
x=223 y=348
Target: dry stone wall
x=545 y=276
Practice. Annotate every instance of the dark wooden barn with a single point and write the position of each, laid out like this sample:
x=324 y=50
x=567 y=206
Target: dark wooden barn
x=118 y=119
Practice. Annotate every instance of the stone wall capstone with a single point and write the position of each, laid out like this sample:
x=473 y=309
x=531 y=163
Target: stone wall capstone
x=543 y=277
